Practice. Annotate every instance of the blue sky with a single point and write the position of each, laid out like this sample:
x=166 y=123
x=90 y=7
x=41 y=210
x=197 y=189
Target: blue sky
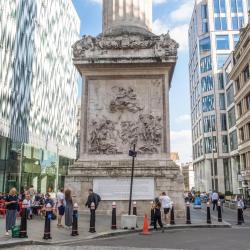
x=172 y=15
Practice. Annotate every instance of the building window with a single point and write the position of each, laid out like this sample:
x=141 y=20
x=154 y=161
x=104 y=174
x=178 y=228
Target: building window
x=204 y=11
x=230 y=95
x=235 y=24
x=239 y=106
x=224 y=144
x=248 y=130
x=222 y=42
x=236 y=39
x=233 y=140
x=231 y=118
x=205 y=44
x=205 y=64
x=219 y=6
x=222 y=101
x=248 y=4
x=237 y=84
x=246 y=74
x=223 y=120
x=248 y=101
x=207 y=83
x=204 y=26
x=208 y=103
x=221 y=80
x=236 y=6
x=209 y=123
x=241 y=134
x=220 y=23
x=221 y=58
x=210 y=144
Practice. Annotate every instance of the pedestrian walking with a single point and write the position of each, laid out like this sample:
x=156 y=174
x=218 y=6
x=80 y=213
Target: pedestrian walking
x=68 y=208
x=60 y=207
x=166 y=205
x=11 y=203
x=241 y=205
x=157 y=214
x=215 y=198
x=93 y=197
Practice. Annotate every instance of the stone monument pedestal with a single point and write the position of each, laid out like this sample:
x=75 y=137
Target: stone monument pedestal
x=126 y=72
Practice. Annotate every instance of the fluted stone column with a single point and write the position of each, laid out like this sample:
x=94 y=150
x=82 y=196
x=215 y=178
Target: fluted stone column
x=119 y=14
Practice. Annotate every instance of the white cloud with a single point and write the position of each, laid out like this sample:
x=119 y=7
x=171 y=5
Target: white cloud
x=181 y=142
x=159 y=1
x=183 y=119
x=183 y=13
x=96 y=1
x=178 y=32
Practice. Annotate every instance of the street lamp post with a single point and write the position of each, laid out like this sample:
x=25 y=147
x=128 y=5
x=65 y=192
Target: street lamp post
x=132 y=153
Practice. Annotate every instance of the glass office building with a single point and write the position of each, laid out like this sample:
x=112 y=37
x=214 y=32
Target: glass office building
x=213 y=34
x=38 y=92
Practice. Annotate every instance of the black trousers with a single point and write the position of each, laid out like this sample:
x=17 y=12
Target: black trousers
x=157 y=218
x=215 y=202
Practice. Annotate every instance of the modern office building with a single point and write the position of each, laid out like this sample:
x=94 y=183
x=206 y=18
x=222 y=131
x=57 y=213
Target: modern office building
x=240 y=75
x=213 y=33
x=38 y=92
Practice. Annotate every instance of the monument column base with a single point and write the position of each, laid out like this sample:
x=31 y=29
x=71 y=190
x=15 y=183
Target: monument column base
x=152 y=177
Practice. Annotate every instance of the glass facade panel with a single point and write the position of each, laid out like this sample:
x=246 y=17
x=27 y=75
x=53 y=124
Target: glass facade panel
x=222 y=42
x=209 y=123
x=221 y=58
x=233 y=140
x=205 y=64
x=207 y=103
x=210 y=144
x=231 y=117
x=248 y=101
x=222 y=101
x=221 y=81
x=230 y=95
x=236 y=39
x=222 y=6
x=233 y=6
x=223 y=120
x=224 y=144
x=217 y=23
x=248 y=4
x=204 y=11
x=239 y=6
x=205 y=44
x=241 y=22
x=207 y=83
x=235 y=25
x=216 y=6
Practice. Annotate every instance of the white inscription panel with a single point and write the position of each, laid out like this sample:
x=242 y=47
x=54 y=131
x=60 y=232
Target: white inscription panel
x=119 y=188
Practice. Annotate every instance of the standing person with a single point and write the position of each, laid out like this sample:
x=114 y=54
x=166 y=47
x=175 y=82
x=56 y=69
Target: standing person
x=68 y=208
x=215 y=198
x=166 y=204
x=157 y=214
x=60 y=206
x=93 y=197
x=241 y=204
x=31 y=192
x=11 y=203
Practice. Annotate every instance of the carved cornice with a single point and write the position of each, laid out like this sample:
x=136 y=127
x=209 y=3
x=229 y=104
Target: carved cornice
x=113 y=48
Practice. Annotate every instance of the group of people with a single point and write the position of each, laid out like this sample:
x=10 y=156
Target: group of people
x=36 y=204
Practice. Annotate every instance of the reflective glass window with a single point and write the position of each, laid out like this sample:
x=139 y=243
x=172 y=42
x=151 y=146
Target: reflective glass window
x=241 y=22
x=208 y=103
x=207 y=83
x=223 y=23
x=236 y=39
x=235 y=25
x=222 y=6
x=230 y=95
x=231 y=118
x=233 y=140
x=204 y=11
x=222 y=42
x=222 y=101
x=248 y=4
x=223 y=120
x=204 y=26
x=210 y=144
x=221 y=80
x=233 y=6
x=216 y=6
x=248 y=101
x=217 y=23
x=221 y=58
x=224 y=144
x=205 y=44
x=209 y=123
x=205 y=64
x=239 y=6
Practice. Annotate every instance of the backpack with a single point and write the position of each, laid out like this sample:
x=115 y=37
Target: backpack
x=98 y=198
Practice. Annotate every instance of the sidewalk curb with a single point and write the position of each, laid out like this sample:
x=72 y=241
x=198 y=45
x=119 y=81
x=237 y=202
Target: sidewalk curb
x=109 y=234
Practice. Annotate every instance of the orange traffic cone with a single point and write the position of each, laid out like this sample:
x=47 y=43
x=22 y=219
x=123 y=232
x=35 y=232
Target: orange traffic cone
x=145 y=226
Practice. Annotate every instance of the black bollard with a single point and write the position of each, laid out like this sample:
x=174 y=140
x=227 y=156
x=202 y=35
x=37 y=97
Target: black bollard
x=239 y=222
x=92 y=218
x=48 y=216
x=75 y=221
x=219 y=212
x=152 y=214
x=208 y=213
x=188 y=213
x=134 y=208
x=172 y=221
x=113 y=221
x=23 y=226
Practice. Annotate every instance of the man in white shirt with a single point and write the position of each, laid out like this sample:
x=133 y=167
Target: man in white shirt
x=166 y=204
x=215 y=198
x=60 y=206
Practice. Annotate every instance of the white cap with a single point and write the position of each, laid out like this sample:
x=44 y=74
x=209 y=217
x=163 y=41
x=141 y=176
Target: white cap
x=113 y=203
x=75 y=205
x=134 y=203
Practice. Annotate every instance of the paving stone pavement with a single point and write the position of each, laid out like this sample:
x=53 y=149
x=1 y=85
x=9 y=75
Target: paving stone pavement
x=84 y=248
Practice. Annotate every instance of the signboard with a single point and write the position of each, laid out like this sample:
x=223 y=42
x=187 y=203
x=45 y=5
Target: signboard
x=118 y=188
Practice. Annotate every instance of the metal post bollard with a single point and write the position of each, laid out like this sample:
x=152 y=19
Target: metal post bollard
x=239 y=222
x=92 y=218
x=134 y=208
x=113 y=222
x=48 y=215
x=152 y=214
x=188 y=213
x=23 y=226
x=219 y=212
x=208 y=213
x=75 y=221
x=172 y=220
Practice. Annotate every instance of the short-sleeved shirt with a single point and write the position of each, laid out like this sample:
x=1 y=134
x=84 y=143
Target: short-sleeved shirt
x=12 y=206
x=60 y=199
x=165 y=201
